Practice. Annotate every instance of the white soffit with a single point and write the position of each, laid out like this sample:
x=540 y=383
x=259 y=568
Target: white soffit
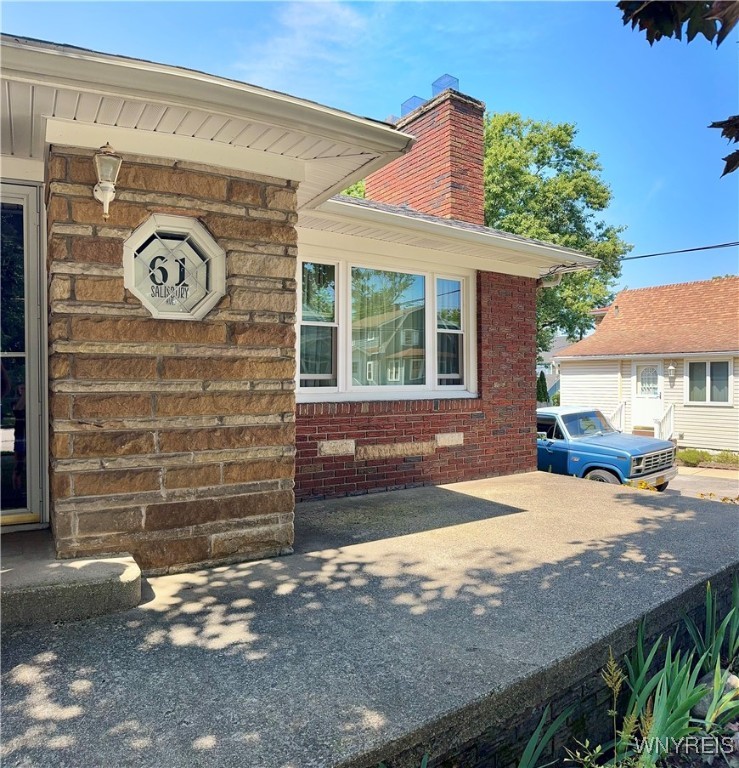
x=53 y=93
x=488 y=251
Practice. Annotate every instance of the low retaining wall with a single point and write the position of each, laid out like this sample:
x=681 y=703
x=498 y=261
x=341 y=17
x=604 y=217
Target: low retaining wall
x=503 y=728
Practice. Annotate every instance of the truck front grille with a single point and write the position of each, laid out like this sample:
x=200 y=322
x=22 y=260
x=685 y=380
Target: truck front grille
x=653 y=462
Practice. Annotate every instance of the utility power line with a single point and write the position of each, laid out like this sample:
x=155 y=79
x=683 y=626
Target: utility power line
x=684 y=250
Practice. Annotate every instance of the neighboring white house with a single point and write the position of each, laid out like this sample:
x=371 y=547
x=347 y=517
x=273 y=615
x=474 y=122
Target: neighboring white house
x=664 y=358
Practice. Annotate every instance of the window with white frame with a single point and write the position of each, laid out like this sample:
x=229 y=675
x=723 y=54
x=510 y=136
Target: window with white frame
x=369 y=329
x=708 y=381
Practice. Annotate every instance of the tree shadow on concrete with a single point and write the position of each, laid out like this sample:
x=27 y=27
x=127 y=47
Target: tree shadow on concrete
x=345 y=655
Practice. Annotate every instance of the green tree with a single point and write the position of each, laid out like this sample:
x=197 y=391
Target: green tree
x=542 y=395
x=540 y=184
x=713 y=19
x=356 y=189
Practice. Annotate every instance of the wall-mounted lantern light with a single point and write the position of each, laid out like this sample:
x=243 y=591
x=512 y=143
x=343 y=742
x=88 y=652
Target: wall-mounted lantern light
x=671 y=370
x=107 y=166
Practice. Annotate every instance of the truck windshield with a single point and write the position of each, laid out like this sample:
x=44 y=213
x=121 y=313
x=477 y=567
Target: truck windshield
x=587 y=424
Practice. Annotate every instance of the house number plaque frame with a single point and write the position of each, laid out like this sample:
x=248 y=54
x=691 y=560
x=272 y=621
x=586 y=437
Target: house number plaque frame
x=174 y=267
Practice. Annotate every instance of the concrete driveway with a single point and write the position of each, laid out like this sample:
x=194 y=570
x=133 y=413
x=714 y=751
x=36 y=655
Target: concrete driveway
x=694 y=481
x=409 y=617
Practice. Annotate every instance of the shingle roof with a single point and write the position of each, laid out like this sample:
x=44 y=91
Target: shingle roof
x=667 y=319
x=404 y=210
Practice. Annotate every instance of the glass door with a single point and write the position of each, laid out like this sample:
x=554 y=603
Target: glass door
x=21 y=356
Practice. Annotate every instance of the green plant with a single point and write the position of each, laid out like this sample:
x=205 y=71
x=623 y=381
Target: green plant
x=727 y=457
x=723 y=707
x=542 y=396
x=692 y=457
x=538 y=741
x=555 y=398
x=709 y=643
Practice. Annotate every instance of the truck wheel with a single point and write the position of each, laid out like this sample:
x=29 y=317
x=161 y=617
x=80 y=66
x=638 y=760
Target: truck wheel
x=603 y=476
x=661 y=487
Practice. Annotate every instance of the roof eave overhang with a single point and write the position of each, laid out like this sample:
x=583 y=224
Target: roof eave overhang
x=645 y=355
x=543 y=258
x=40 y=63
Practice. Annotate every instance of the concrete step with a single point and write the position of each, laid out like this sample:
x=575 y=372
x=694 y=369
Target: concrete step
x=36 y=588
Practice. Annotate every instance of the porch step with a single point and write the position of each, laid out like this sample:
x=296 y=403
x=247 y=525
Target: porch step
x=36 y=588
x=643 y=431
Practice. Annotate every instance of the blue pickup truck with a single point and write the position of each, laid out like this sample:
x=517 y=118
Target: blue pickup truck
x=581 y=442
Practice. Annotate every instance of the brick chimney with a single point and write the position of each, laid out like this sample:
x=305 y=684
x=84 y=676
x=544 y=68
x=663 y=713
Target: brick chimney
x=442 y=175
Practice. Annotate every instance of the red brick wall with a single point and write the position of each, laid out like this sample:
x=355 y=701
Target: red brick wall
x=498 y=426
x=442 y=175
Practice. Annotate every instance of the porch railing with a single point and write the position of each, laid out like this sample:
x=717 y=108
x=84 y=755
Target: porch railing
x=665 y=427
x=617 y=417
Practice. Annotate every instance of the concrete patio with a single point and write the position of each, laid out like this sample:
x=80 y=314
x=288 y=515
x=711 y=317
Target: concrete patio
x=401 y=619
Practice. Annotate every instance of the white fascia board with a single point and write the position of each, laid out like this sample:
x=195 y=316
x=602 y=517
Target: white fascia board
x=132 y=141
x=21 y=168
x=54 y=65
x=538 y=255
x=321 y=244
x=647 y=356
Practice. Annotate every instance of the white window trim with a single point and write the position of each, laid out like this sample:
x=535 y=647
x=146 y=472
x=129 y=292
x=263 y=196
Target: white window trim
x=707 y=403
x=432 y=390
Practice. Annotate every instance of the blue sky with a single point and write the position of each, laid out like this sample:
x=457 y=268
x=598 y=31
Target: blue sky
x=643 y=110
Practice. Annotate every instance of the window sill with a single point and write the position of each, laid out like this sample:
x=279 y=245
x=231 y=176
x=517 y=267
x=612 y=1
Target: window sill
x=365 y=397
x=707 y=405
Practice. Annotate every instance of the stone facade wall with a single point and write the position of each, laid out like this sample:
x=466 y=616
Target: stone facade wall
x=173 y=440
x=356 y=448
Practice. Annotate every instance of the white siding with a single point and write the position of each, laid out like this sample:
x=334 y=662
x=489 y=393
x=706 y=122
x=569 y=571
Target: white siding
x=597 y=384
x=593 y=384
x=712 y=427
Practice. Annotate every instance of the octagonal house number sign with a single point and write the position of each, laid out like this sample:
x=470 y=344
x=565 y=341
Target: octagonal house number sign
x=174 y=267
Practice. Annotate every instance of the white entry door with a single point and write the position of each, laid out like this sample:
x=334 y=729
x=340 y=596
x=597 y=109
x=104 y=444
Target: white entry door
x=647 y=393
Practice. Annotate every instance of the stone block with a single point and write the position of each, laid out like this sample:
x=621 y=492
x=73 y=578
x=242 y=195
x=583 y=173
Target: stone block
x=224 y=404
x=146 y=330
x=99 y=289
x=263 y=335
x=250 y=230
x=260 y=264
x=109 y=444
x=274 y=301
x=163 y=553
x=254 y=471
x=246 y=192
x=97 y=250
x=262 y=541
x=336 y=447
x=225 y=438
x=60 y=288
x=57 y=210
x=193 y=477
x=82 y=170
x=219 y=368
x=282 y=199
x=59 y=367
x=115 y=368
x=121 y=214
x=179 y=182
x=448 y=439
x=116 y=481
x=56 y=168
x=60 y=446
x=395 y=450
x=111 y=406
x=110 y=521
